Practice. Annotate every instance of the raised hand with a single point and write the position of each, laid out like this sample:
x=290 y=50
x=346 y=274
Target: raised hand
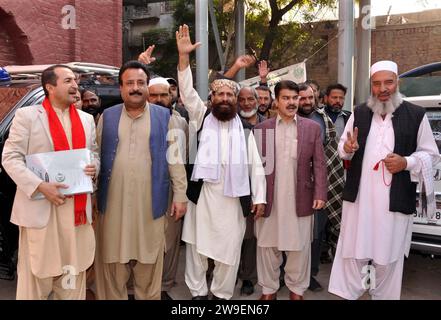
x=245 y=61
x=263 y=69
x=183 y=40
x=146 y=56
x=351 y=144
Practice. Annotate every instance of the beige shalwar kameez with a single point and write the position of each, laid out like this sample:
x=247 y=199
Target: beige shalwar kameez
x=59 y=248
x=283 y=230
x=129 y=239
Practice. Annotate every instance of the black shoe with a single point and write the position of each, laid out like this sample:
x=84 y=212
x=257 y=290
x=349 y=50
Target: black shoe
x=314 y=285
x=247 y=288
x=200 y=298
x=165 y=296
x=216 y=298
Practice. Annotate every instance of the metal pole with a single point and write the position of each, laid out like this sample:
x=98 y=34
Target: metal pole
x=216 y=35
x=239 y=26
x=346 y=49
x=201 y=19
x=365 y=24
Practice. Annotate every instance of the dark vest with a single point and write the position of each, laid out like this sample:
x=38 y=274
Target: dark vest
x=406 y=122
x=159 y=119
x=194 y=187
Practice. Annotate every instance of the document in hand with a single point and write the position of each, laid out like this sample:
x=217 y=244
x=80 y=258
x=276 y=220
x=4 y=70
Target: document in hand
x=65 y=167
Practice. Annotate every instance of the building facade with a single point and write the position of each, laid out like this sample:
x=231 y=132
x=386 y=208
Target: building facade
x=60 y=31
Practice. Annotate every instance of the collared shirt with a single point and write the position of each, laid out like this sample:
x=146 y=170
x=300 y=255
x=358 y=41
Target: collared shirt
x=283 y=229
x=129 y=231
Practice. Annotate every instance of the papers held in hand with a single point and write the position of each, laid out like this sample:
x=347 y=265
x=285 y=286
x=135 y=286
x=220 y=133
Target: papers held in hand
x=66 y=167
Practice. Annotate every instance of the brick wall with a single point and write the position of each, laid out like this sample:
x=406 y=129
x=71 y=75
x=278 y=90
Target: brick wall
x=7 y=52
x=31 y=32
x=409 y=45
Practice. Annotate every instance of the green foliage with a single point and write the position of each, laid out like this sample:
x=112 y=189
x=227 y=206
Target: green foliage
x=291 y=41
x=165 y=51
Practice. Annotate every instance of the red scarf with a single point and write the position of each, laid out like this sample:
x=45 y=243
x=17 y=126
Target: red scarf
x=60 y=143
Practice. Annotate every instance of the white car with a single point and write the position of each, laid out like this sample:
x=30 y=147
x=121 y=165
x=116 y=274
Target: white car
x=422 y=86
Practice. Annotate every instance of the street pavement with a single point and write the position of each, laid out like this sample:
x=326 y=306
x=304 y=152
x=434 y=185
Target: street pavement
x=421 y=281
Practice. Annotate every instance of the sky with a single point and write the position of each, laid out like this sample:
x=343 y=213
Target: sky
x=379 y=8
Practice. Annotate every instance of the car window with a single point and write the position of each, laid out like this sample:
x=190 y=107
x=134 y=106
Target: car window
x=9 y=96
x=37 y=98
x=426 y=85
x=435 y=123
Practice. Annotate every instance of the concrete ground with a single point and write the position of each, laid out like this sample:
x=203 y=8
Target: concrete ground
x=421 y=281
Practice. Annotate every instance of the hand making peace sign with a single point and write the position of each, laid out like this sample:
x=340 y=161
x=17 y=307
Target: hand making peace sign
x=351 y=144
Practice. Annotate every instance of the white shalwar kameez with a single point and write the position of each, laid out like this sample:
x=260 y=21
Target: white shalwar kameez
x=370 y=233
x=215 y=227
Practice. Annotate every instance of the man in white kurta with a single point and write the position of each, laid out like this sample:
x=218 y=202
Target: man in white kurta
x=214 y=228
x=373 y=240
x=160 y=94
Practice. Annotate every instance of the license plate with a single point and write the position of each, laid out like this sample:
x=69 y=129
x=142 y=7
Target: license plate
x=436 y=219
x=418 y=215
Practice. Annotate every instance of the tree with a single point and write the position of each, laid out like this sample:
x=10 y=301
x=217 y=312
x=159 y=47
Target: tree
x=283 y=41
x=290 y=36
x=165 y=41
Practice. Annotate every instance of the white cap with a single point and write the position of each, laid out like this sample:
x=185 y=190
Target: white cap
x=384 y=65
x=158 y=80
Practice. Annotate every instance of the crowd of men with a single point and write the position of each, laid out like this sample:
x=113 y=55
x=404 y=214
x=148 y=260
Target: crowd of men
x=259 y=188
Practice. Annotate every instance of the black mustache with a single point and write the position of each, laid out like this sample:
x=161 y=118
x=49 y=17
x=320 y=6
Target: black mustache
x=135 y=92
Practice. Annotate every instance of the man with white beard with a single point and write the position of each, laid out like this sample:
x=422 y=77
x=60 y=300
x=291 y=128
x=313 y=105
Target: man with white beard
x=248 y=107
x=391 y=146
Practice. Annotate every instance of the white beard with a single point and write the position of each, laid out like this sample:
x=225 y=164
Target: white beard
x=383 y=108
x=248 y=114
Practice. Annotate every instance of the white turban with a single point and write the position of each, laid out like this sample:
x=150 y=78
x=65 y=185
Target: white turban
x=384 y=65
x=158 y=80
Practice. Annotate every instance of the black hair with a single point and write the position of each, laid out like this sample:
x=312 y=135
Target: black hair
x=304 y=86
x=133 y=64
x=336 y=86
x=84 y=90
x=265 y=88
x=311 y=81
x=285 y=84
x=49 y=76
